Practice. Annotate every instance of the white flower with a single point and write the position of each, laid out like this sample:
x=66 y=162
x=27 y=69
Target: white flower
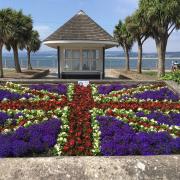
x=23 y=99
x=54 y=116
x=45 y=119
x=6 y=131
x=5 y=100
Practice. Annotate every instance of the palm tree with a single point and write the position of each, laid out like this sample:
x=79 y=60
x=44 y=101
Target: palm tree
x=124 y=39
x=140 y=33
x=22 y=27
x=162 y=18
x=5 y=29
x=32 y=45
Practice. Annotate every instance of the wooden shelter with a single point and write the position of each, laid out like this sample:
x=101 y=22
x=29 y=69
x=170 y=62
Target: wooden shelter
x=81 y=45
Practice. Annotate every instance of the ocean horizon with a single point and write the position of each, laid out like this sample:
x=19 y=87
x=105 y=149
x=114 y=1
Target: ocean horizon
x=113 y=60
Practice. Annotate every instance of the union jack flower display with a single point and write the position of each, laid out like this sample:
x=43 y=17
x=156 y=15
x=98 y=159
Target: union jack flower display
x=70 y=119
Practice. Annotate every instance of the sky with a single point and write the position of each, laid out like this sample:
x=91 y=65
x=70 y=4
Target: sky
x=48 y=15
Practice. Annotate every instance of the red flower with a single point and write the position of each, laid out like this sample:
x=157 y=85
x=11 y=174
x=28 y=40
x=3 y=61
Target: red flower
x=79 y=141
x=72 y=142
x=80 y=148
x=65 y=148
x=78 y=134
x=71 y=131
x=88 y=144
x=89 y=130
x=22 y=123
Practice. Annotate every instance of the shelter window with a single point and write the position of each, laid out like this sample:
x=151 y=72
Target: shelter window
x=91 y=60
x=72 y=60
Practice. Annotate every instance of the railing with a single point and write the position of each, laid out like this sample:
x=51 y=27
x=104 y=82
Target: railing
x=147 y=63
x=47 y=63
x=50 y=62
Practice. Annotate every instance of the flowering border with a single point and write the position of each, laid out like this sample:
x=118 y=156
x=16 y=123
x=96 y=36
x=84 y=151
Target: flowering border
x=63 y=114
x=117 y=96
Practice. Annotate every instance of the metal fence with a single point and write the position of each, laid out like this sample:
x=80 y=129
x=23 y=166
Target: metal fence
x=110 y=62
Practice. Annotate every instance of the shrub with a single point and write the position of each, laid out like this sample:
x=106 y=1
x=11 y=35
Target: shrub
x=174 y=76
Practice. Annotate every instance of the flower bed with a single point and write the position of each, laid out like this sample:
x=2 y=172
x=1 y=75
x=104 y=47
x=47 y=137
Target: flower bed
x=48 y=120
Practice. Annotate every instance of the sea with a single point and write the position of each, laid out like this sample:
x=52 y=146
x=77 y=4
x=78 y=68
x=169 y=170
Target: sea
x=113 y=60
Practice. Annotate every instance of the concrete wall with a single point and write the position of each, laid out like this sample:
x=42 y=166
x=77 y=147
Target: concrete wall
x=85 y=168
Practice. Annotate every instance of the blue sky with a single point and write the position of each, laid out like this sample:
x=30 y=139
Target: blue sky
x=48 y=15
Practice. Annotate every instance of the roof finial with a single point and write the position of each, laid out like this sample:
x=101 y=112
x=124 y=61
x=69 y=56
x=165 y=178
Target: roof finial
x=81 y=12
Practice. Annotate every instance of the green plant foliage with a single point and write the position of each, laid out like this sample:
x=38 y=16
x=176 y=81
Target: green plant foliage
x=5 y=31
x=174 y=76
x=162 y=17
x=123 y=37
x=125 y=40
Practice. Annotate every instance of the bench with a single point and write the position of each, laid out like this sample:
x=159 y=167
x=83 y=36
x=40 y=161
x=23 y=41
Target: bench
x=81 y=75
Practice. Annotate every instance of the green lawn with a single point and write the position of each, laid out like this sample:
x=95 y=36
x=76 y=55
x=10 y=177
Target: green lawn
x=150 y=73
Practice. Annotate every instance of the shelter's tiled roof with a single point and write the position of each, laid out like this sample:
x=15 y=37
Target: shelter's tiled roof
x=80 y=27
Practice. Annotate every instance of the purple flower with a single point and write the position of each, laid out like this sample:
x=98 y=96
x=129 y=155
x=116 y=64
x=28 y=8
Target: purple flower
x=37 y=146
x=19 y=148
x=49 y=140
x=162 y=94
x=118 y=138
x=27 y=141
x=18 y=115
x=3 y=118
x=27 y=96
x=106 y=89
x=60 y=88
x=140 y=114
x=22 y=134
x=12 y=96
x=9 y=95
x=171 y=119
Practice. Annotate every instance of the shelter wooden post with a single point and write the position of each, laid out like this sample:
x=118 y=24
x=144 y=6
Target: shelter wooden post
x=103 y=76
x=58 y=59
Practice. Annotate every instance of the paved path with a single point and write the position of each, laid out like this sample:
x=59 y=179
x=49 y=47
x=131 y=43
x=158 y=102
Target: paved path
x=133 y=75
x=115 y=74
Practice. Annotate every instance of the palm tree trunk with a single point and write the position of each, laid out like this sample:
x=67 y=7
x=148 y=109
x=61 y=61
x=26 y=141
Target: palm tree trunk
x=161 y=49
x=1 y=63
x=139 y=63
x=127 y=66
x=16 y=59
x=29 y=60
